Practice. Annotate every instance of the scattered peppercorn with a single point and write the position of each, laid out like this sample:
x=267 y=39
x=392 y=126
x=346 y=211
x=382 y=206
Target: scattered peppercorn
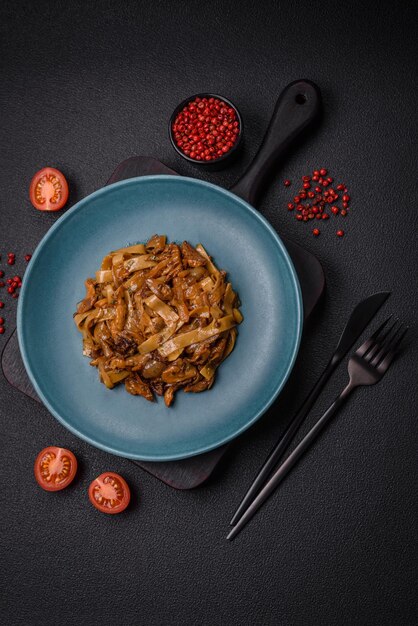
x=316 y=232
x=1 y=321
x=1 y=305
x=287 y=183
x=1 y=330
x=320 y=198
x=28 y=257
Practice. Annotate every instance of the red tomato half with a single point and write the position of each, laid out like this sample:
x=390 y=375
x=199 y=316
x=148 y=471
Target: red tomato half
x=48 y=190
x=55 y=468
x=109 y=493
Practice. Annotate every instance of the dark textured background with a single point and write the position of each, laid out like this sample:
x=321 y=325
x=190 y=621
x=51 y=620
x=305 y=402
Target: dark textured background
x=84 y=85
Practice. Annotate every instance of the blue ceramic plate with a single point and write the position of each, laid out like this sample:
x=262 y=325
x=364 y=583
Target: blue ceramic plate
x=240 y=241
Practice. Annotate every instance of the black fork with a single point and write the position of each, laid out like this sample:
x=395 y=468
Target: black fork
x=366 y=366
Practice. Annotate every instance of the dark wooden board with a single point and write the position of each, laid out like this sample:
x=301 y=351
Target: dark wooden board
x=188 y=473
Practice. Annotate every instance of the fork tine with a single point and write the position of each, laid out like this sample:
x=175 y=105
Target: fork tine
x=383 y=365
x=365 y=347
x=389 y=348
x=380 y=342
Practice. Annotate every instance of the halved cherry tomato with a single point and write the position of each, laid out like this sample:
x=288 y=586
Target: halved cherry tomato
x=48 y=190
x=109 y=493
x=55 y=468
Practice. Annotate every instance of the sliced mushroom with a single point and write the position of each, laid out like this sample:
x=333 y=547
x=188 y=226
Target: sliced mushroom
x=157 y=386
x=191 y=256
x=199 y=386
x=169 y=395
x=137 y=387
x=153 y=368
x=178 y=372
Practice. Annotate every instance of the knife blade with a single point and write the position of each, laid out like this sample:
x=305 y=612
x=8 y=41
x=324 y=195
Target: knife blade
x=357 y=323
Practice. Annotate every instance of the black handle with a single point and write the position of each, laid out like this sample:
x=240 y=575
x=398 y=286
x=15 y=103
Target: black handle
x=291 y=461
x=297 y=106
x=285 y=439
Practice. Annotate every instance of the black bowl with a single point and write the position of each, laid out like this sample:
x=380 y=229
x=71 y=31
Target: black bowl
x=219 y=162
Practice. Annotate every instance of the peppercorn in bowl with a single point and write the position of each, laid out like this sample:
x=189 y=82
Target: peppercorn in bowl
x=206 y=130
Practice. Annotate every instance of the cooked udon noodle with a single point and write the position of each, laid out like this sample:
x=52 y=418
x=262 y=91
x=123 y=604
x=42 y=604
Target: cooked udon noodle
x=158 y=317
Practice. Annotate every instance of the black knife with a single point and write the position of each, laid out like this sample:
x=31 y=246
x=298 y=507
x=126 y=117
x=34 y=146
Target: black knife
x=359 y=319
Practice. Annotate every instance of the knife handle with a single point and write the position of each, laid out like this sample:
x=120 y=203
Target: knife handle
x=285 y=439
